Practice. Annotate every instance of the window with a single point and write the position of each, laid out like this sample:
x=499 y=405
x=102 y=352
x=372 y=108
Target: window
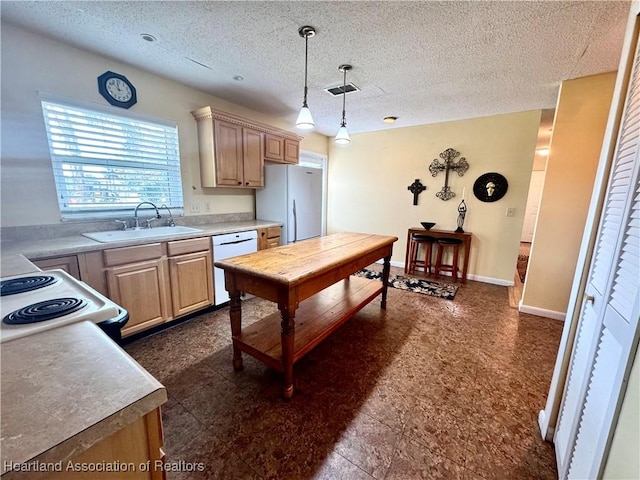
x=105 y=163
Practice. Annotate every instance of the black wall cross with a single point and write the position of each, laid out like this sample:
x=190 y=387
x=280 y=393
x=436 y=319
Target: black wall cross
x=461 y=166
x=416 y=188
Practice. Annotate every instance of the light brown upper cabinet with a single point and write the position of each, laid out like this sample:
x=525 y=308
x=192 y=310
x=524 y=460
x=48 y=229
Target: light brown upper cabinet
x=273 y=148
x=280 y=149
x=291 y=151
x=237 y=157
x=233 y=149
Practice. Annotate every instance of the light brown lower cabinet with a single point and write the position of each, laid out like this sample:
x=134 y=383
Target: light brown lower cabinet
x=130 y=449
x=143 y=290
x=269 y=237
x=154 y=282
x=191 y=282
x=69 y=264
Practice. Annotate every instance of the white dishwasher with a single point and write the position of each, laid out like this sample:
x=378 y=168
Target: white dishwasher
x=227 y=246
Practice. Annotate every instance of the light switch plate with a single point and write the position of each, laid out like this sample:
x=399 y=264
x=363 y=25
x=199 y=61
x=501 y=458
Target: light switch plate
x=510 y=211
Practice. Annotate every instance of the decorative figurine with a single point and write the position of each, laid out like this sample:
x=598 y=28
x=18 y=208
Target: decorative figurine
x=416 y=188
x=462 y=212
x=490 y=187
x=461 y=166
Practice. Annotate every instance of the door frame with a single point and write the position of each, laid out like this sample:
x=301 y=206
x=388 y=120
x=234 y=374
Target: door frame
x=548 y=417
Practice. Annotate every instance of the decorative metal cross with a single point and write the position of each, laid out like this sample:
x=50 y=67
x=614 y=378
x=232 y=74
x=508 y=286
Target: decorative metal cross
x=461 y=166
x=416 y=188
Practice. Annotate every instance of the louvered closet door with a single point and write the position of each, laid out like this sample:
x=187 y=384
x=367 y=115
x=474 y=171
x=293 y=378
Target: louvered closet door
x=608 y=328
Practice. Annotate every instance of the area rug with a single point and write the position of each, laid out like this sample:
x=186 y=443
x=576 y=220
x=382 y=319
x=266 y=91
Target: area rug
x=523 y=261
x=427 y=287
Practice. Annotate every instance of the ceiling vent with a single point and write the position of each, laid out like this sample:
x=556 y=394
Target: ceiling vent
x=337 y=91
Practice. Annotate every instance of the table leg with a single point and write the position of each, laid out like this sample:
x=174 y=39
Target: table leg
x=406 y=254
x=235 y=312
x=386 y=268
x=465 y=265
x=287 y=338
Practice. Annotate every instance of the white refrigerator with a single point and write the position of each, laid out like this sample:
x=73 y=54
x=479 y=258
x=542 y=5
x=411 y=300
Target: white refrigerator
x=292 y=195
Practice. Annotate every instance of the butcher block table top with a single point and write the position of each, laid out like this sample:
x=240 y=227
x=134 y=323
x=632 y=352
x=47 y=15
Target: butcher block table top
x=291 y=265
x=311 y=283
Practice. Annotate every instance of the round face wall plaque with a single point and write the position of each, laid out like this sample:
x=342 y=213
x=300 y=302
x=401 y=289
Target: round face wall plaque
x=490 y=187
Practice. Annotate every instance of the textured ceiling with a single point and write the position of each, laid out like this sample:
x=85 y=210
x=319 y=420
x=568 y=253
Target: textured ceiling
x=423 y=62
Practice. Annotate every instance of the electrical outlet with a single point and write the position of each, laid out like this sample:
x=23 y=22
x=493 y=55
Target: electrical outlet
x=207 y=206
x=510 y=211
x=195 y=206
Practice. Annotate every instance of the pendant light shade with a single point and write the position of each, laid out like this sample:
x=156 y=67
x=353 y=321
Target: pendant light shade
x=342 y=137
x=305 y=120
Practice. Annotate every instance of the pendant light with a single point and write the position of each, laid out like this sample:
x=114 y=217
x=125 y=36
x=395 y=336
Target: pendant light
x=305 y=120
x=342 y=137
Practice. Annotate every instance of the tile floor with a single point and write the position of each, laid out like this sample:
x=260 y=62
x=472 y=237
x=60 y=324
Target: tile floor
x=429 y=388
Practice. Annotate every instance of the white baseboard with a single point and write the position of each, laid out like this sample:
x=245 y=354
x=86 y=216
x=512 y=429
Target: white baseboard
x=545 y=430
x=493 y=281
x=541 y=312
x=477 y=278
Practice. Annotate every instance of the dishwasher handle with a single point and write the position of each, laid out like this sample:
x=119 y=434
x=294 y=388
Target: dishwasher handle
x=236 y=242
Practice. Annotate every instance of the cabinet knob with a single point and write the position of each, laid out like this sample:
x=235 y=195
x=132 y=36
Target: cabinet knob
x=239 y=183
x=246 y=183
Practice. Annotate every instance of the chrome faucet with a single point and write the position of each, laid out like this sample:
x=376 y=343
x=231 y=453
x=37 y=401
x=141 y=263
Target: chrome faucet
x=135 y=215
x=170 y=222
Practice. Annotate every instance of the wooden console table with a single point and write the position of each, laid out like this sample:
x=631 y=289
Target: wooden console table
x=312 y=284
x=465 y=237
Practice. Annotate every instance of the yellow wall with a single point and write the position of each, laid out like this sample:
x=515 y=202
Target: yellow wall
x=32 y=63
x=580 y=121
x=368 y=182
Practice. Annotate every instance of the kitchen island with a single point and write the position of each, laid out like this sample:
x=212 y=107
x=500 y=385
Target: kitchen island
x=312 y=284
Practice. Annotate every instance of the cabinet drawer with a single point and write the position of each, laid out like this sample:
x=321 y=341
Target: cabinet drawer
x=273 y=242
x=68 y=264
x=138 y=253
x=273 y=232
x=180 y=247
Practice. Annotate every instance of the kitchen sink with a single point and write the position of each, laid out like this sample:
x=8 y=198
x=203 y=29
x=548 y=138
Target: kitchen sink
x=124 y=235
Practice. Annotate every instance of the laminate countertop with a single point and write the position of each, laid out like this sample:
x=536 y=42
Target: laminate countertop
x=38 y=247
x=64 y=390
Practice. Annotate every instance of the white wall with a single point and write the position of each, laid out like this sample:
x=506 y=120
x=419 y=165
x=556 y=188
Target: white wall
x=32 y=63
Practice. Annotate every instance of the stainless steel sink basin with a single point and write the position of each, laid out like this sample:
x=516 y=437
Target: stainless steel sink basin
x=124 y=235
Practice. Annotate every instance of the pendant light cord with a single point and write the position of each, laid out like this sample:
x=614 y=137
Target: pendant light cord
x=344 y=95
x=306 y=50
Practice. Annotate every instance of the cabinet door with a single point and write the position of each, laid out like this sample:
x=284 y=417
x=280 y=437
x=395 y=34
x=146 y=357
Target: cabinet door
x=141 y=289
x=253 y=158
x=69 y=264
x=137 y=443
x=291 y=151
x=262 y=239
x=273 y=148
x=228 y=146
x=191 y=282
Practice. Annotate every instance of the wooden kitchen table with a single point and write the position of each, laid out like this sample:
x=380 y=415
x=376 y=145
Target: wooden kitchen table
x=312 y=284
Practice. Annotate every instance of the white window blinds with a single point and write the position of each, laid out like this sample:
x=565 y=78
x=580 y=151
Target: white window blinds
x=108 y=163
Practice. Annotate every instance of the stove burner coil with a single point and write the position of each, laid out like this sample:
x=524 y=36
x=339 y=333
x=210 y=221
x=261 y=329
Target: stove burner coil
x=25 y=284
x=42 y=311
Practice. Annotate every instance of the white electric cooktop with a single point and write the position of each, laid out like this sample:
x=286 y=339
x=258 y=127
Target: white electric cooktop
x=82 y=302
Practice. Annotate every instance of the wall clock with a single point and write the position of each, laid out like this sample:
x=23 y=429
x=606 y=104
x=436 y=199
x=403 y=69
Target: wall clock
x=490 y=187
x=117 y=89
